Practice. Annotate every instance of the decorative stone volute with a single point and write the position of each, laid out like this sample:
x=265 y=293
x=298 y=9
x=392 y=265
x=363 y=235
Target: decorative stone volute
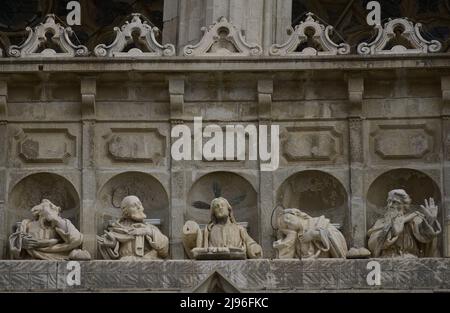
x=48 y=39
x=139 y=34
x=310 y=38
x=399 y=36
x=222 y=39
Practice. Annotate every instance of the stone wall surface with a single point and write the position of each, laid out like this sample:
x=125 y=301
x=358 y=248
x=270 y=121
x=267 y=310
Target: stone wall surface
x=427 y=275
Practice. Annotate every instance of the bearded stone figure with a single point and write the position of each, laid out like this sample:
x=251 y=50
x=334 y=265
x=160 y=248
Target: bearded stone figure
x=305 y=237
x=47 y=236
x=402 y=233
x=130 y=239
x=222 y=238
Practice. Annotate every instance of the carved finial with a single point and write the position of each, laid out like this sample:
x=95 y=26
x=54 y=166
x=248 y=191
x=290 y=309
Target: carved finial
x=399 y=36
x=222 y=39
x=310 y=38
x=48 y=39
x=136 y=38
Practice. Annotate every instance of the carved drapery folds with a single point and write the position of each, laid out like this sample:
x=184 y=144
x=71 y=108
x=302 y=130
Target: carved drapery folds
x=310 y=38
x=398 y=36
x=222 y=39
x=136 y=38
x=48 y=39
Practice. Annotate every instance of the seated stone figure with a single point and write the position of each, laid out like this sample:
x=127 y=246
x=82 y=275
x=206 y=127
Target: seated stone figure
x=402 y=233
x=222 y=238
x=47 y=237
x=130 y=238
x=306 y=237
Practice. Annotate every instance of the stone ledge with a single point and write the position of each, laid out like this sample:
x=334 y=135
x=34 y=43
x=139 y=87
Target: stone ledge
x=233 y=64
x=327 y=275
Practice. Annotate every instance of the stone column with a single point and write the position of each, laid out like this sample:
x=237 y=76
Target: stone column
x=445 y=118
x=356 y=160
x=266 y=192
x=177 y=171
x=88 y=181
x=283 y=20
x=247 y=15
x=3 y=165
x=170 y=20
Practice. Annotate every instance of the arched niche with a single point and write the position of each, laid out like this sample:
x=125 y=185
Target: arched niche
x=236 y=189
x=316 y=193
x=146 y=187
x=418 y=185
x=32 y=189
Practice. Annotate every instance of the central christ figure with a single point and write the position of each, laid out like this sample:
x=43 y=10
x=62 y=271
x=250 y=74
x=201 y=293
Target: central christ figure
x=222 y=238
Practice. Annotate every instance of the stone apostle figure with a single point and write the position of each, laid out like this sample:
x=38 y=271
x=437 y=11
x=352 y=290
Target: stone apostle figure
x=222 y=238
x=306 y=237
x=47 y=237
x=130 y=238
x=402 y=233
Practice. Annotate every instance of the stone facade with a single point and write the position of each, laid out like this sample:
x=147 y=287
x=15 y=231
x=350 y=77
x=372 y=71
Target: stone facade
x=257 y=276
x=85 y=131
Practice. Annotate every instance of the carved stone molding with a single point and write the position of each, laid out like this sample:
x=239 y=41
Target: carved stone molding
x=310 y=38
x=392 y=142
x=445 y=87
x=3 y=100
x=265 y=92
x=45 y=145
x=399 y=36
x=135 y=145
x=321 y=143
x=48 y=39
x=88 y=94
x=140 y=36
x=222 y=39
x=176 y=91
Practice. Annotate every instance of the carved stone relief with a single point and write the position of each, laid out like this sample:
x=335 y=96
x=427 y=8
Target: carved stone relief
x=45 y=145
x=136 y=38
x=222 y=39
x=322 y=143
x=145 y=145
x=48 y=39
x=310 y=37
x=399 y=36
x=396 y=142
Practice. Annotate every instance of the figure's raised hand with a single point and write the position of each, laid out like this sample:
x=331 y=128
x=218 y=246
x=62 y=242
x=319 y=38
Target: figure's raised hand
x=430 y=209
x=29 y=242
x=254 y=251
x=107 y=240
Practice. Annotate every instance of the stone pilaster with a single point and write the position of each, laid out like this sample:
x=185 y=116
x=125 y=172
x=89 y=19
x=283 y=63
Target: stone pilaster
x=177 y=171
x=171 y=20
x=247 y=15
x=266 y=192
x=88 y=180
x=356 y=160
x=283 y=20
x=3 y=160
x=445 y=118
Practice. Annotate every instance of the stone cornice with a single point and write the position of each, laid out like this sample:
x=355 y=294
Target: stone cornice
x=235 y=64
